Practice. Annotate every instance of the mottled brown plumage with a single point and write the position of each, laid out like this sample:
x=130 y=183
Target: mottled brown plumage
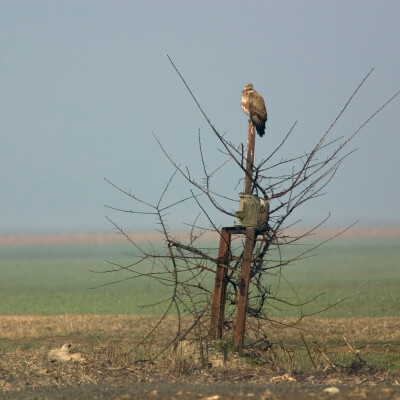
x=253 y=105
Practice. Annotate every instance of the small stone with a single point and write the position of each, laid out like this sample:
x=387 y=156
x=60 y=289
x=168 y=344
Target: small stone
x=332 y=390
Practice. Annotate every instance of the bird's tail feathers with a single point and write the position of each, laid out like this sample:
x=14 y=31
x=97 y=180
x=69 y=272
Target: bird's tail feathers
x=260 y=125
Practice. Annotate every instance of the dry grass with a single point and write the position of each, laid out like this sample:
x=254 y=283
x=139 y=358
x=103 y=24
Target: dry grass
x=361 y=330
x=364 y=333
x=16 y=327
x=106 y=343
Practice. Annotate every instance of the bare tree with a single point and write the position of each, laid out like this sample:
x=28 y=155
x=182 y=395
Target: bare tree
x=187 y=265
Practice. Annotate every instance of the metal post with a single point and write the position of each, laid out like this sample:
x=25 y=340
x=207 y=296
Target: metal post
x=219 y=293
x=241 y=306
x=251 y=141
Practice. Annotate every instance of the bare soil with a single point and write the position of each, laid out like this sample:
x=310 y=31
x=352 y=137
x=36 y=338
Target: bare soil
x=212 y=391
x=112 y=371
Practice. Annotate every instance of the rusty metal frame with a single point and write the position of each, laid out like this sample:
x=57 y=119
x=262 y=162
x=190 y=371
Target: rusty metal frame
x=219 y=293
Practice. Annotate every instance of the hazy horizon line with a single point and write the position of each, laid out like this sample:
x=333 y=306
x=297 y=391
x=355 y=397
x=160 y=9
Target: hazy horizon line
x=103 y=237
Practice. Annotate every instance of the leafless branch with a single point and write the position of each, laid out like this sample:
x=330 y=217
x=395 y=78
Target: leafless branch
x=187 y=265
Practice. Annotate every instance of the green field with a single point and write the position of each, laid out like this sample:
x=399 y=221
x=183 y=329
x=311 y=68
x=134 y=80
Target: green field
x=49 y=280
x=362 y=274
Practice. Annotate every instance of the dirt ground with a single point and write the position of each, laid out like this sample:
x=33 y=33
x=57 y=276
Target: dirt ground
x=107 y=369
x=29 y=375
x=214 y=391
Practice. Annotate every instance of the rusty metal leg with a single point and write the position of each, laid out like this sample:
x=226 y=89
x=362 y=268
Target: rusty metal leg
x=219 y=293
x=241 y=306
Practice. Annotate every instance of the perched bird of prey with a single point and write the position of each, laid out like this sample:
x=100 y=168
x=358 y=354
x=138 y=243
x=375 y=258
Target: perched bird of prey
x=254 y=106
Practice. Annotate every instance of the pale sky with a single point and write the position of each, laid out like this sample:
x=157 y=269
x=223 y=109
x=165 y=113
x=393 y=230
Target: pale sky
x=84 y=84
